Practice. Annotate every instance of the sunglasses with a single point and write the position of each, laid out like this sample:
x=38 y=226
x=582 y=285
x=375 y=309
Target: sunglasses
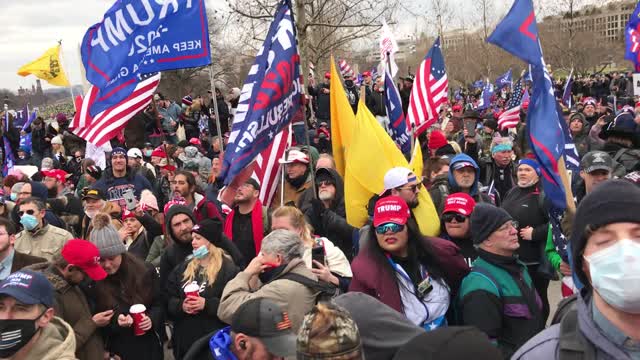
x=448 y=217
x=384 y=228
x=30 y=212
x=325 y=183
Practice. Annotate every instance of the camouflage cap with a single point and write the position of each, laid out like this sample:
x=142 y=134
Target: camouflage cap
x=329 y=332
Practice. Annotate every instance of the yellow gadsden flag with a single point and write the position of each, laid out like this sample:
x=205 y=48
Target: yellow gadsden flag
x=342 y=119
x=47 y=67
x=371 y=153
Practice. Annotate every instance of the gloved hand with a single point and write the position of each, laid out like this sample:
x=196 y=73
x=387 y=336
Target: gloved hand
x=318 y=210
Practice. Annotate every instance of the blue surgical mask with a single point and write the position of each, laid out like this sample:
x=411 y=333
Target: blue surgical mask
x=615 y=274
x=13 y=196
x=148 y=153
x=29 y=221
x=201 y=252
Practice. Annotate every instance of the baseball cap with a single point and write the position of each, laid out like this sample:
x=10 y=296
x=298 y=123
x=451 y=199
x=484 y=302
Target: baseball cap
x=462 y=164
x=460 y=203
x=94 y=193
x=134 y=153
x=58 y=174
x=253 y=182
x=159 y=153
x=398 y=176
x=94 y=171
x=391 y=209
x=329 y=332
x=195 y=141
x=262 y=318
x=28 y=287
x=85 y=255
x=366 y=73
x=596 y=160
x=295 y=156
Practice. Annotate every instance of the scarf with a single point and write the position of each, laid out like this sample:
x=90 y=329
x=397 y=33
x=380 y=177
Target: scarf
x=256 y=225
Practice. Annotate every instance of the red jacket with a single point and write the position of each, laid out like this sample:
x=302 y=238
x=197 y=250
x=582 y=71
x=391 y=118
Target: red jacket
x=377 y=281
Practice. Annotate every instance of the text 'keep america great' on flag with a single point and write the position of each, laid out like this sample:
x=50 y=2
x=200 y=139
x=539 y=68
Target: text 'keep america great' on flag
x=270 y=95
x=103 y=127
x=429 y=90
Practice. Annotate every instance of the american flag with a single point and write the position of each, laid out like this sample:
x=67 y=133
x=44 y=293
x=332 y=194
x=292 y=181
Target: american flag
x=345 y=69
x=429 y=90
x=104 y=126
x=511 y=116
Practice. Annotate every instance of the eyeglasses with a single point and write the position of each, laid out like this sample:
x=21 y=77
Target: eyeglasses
x=507 y=226
x=30 y=212
x=413 y=188
x=384 y=228
x=450 y=216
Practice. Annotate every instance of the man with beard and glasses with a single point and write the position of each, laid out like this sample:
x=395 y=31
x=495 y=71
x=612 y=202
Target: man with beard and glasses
x=298 y=179
x=61 y=199
x=249 y=221
x=10 y=259
x=94 y=201
x=28 y=327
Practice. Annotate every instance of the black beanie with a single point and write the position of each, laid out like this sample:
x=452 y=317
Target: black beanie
x=486 y=219
x=613 y=201
x=210 y=229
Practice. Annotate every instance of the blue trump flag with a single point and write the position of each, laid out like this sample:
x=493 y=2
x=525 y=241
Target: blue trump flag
x=9 y=159
x=485 y=98
x=32 y=117
x=477 y=84
x=517 y=33
x=566 y=94
x=632 y=39
x=138 y=37
x=21 y=117
x=398 y=129
x=270 y=95
x=504 y=80
x=527 y=75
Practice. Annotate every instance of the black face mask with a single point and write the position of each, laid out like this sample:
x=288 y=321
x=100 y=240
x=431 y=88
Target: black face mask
x=15 y=334
x=297 y=182
x=348 y=83
x=271 y=273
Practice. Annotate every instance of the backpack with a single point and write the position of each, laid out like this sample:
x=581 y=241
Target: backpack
x=572 y=345
x=325 y=291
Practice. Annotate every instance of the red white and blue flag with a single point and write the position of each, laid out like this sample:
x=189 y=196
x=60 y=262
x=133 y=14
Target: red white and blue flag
x=103 y=127
x=270 y=96
x=429 y=90
x=398 y=129
x=345 y=68
x=510 y=117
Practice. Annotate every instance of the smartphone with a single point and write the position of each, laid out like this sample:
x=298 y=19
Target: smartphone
x=130 y=199
x=317 y=254
x=470 y=126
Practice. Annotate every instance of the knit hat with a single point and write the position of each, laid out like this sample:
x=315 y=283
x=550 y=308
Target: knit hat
x=94 y=171
x=147 y=199
x=210 y=229
x=530 y=162
x=56 y=140
x=159 y=153
x=119 y=151
x=47 y=163
x=436 y=140
x=501 y=144
x=486 y=219
x=187 y=100
x=450 y=343
x=328 y=332
x=105 y=236
x=613 y=201
x=491 y=124
x=126 y=214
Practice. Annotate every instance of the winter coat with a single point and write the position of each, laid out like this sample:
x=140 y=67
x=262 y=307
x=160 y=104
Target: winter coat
x=292 y=196
x=323 y=111
x=44 y=242
x=293 y=298
x=56 y=342
x=526 y=206
x=189 y=328
x=71 y=305
x=503 y=179
x=581 y=139
x=21 y=261
x=192 y=155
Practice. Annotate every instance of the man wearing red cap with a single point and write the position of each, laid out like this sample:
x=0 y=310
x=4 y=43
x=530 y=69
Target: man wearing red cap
x=61 y=199
x=77 y=261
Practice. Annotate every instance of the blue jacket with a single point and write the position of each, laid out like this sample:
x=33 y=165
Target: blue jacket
x=220 y=343
x=452 y=181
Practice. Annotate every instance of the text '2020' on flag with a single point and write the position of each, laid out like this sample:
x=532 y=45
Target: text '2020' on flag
x=138 y=37
x=429 y=90
x=47 y=67
x=517 y=33
x=270 y=95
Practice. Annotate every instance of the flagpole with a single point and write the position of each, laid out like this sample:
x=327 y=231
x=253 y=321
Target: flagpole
x=62 y=68
x=215 y=107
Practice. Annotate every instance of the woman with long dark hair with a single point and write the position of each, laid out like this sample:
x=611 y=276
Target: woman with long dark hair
x=129 y=282
x=415 y=275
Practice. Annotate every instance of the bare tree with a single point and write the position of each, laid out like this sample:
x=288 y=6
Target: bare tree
x=486 y=11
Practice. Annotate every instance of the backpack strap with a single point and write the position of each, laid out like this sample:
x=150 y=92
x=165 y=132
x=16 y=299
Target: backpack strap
x=488 y=276
x=619 y=154
x=572 y=345
x=316 y=286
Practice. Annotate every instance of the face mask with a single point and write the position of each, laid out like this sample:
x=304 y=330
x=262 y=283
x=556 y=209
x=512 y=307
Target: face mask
x=29 y=221
x=349 y=83
x=13 y=197
x=201 y=252
x=21 y=157
x=270 y=273
x=615 y=274
x=15 y=334
x=148 y=153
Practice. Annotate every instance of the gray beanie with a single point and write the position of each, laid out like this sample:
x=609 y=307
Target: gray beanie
x=105 y=236
x=486 y=219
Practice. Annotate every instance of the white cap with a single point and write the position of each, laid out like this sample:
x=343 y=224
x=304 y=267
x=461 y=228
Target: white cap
x=56 y=140
x=295 y=156
x=398 y=176
x=134 y=153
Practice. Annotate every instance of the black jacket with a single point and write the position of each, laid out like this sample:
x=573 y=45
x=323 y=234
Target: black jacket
x=527 y=208
x=189 y=328
x=323 y=109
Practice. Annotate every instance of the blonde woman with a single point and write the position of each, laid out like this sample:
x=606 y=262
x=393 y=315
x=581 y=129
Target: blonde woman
x=195 y=286
x=324 y=259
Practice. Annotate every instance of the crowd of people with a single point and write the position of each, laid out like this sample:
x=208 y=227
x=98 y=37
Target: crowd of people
x=141 y=259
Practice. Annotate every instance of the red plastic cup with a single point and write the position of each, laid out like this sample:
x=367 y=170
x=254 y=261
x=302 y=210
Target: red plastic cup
x=192 y=290
x=137 y=311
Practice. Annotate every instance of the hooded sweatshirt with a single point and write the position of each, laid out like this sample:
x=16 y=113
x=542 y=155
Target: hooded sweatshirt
x=56 y=342
x=440 y=193
x=177 y=251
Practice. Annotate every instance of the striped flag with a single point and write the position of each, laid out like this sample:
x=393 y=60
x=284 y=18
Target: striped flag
x=429 y=90
x=104 y=126
x=267 y=168
x=345 y=69
x=511 y=116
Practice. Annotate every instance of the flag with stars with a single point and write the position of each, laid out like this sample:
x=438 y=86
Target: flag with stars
x=632 y=39
x=510 y=117
x=429 y=91
x=270 y=96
